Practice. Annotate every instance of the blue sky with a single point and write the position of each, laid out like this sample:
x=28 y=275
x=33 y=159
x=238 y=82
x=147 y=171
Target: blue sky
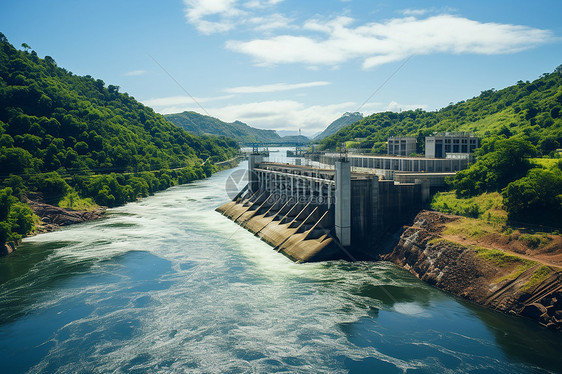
x=290 y=64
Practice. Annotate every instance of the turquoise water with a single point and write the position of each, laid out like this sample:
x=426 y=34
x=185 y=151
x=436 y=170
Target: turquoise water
x=168 y=285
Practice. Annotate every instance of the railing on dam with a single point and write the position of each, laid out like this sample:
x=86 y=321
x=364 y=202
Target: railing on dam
x=300 y=182
x=399 y=163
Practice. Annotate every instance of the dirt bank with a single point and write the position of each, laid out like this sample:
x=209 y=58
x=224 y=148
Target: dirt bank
x=52 y=218
x=511 y=281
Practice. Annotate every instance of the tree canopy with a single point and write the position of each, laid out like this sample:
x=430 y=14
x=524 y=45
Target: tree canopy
x=500 y=162
x=537 y=197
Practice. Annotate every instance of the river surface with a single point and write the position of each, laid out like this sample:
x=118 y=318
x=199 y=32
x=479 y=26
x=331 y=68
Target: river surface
x=167 y=285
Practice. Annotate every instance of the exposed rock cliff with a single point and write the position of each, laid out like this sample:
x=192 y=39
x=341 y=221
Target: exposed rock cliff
x=499 y=280
x=52 y=216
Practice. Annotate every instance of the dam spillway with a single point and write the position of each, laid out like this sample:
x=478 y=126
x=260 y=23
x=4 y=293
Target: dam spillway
x=316 y=214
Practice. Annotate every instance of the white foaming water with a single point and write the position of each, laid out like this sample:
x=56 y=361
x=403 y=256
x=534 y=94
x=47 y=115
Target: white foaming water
x=169 y=285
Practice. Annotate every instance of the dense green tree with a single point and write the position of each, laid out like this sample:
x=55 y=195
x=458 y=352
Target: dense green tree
x=537 y=197
x=14 y=161
x=51 y=185
x=16 y=218
x=500 y=162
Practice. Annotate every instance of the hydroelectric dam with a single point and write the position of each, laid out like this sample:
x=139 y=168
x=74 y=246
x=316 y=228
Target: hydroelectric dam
x=318 y=214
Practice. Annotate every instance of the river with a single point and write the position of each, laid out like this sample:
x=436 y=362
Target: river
x=167 y=285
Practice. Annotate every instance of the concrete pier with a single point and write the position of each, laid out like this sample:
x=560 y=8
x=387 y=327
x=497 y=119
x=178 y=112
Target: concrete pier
x=343 y=203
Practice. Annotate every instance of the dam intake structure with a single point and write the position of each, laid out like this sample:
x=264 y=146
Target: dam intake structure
x=317 y=214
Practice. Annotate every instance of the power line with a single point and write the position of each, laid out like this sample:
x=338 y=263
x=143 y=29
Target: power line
x=179 y=85
x=384 y=83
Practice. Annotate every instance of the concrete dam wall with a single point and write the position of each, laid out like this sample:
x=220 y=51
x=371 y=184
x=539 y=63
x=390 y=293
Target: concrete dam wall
x=312 y=214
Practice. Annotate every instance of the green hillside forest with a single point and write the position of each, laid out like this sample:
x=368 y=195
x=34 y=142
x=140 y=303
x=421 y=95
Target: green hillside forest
x=521 y=131
x=70 y=139
x=532 y=110
x=200 y=124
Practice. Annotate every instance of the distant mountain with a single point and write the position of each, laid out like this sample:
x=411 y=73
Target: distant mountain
x=345 y=120
x=200 y=124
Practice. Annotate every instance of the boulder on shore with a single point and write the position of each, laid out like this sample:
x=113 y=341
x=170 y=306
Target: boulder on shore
x=53 y=216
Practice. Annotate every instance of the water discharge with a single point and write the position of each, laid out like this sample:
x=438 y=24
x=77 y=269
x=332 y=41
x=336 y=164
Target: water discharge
x=168 y=285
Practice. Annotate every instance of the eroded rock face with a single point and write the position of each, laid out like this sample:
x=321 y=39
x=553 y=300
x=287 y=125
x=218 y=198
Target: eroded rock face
x=52 y=215
x=457 y=269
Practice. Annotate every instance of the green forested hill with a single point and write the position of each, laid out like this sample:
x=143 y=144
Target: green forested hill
x=516 y=124
x=68 y=137
x=199 y=124
x=532 y=110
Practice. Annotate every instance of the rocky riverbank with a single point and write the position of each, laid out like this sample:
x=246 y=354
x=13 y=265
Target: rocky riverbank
x=501 y=280
x=52 y=217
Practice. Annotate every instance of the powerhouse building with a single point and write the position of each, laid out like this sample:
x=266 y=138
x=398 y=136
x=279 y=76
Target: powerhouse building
x=401 y=145
x=450 y=145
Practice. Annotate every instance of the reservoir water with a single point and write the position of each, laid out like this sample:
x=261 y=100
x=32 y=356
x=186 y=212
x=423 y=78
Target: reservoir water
x=167 y=285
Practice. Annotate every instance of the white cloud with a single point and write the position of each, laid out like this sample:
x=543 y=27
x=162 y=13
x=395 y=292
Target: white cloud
x=224 y=11
x=393 y=40
x=277 y=87
x=216 y=16
x=284 y=114
x=274 y=114
x=414 y=12
x=271 y=22
x=135 y=73
x=261 y=3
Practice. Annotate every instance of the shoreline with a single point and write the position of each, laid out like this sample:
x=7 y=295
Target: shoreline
x=53 y=218
x=519 y=286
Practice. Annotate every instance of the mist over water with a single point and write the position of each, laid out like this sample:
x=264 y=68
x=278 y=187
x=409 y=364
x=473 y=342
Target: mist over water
x=169 y=285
